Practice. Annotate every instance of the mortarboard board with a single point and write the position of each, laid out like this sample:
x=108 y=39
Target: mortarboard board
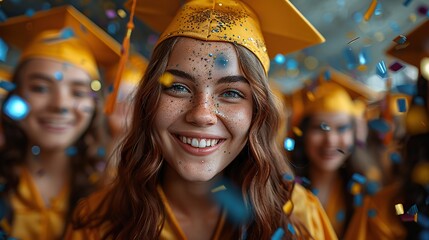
x=62 y=33
x=416 y=49
x=264 y=27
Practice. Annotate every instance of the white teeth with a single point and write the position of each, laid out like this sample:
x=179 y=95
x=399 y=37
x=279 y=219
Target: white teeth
x=202 y=143
x=194 y=142
x=199 y=143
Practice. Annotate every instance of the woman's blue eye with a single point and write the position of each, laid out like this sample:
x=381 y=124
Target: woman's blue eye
x=177 y=88
x=232 y=94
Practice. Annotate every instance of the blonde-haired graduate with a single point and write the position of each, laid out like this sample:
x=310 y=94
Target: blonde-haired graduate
x=400 y=210
x=326 y=132
x=52 y=120
x=201 y=159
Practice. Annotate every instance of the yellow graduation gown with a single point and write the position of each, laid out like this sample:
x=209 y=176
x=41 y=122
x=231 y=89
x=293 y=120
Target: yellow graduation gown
x=382 y=223
x=170 y=231
x=336 y=208
x=309 y=211
x=32 y=218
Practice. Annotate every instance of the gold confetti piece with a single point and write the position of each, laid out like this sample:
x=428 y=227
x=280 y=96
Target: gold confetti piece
x=95 y=85
x=399 y=209
x=218 y=189
x=287 y=208
x=420 y=173
x=356 y=189
x=370 y=10
x=310 y=96
x=297 y=131
x=166 y=79
x=122 y=13
x=353 y=40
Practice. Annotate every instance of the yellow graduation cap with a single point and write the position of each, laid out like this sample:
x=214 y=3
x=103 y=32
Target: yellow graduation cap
x=133 y=71
x=264 y=27
x=415 y=49
x=62 y=33
x=5 y=75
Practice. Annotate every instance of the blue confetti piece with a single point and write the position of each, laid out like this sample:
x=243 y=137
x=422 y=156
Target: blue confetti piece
x=401 y=39
x=358 y=17
x=419 y=101
x=379 y=125
x=46 y=6
x=221 y=61
x=280 y=59
x=395 y=27
x=6 y=85
x=3 y=16
x=291 y=229
x=372 y=187
x=395 y=158
x=67 y=33
x=30 y=12
x=110 y=88
x=327 y=75
x=378 y=9
x=3 y=50
x=112 y=28
x=381 y=69
x=413 y=210
x=423 y=220
x=16 y=108
x=58 y=76
x=291 y=64
x=288 y=177
x=340 y=216
x=362 y=58
x=357 y=200
x=101 y=151
x=402 y=104
x=232 y=200
x=424 y=235
x=289 y=144
x=409 y=89
x=350 y=58
x=278 y=234
x=35 y=150
x=315 y=191
x=71 y=151
x=359 y=178
x=372 y=213
x=407 y=2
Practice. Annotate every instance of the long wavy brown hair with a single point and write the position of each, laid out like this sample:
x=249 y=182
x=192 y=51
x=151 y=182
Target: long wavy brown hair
x=135 y=209
x=84 y=163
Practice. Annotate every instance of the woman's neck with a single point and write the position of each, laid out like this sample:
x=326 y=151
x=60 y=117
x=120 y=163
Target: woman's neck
x=53 y=162
x=323 y=181
x=189 y=198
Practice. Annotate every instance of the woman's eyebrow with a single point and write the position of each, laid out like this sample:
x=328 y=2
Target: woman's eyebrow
x=232 y=79
x=181 y=74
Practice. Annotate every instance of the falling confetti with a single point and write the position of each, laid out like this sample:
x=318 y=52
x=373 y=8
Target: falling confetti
x=289 y=144
x=359 y=178
x=58 y=76
x=381 y=69
x=287 y=207
x=395 y=158
x=217 y=189
x=16 y=108
x=379 y=125
x=95 y=85
x=278 y=234
x=396 y=66
x=71 y=151
x=402 y=104
x=35 y=150
x=368 y=14
x=401 y=39
x=399 y=209
x=3 y=50
x=166 y=79
x=67 y=33
x=6 y=85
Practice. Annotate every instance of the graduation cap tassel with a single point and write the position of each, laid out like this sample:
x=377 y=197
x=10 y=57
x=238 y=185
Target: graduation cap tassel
x=111 y=100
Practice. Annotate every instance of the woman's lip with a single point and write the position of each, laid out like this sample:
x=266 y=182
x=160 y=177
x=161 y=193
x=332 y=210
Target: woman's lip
x=198 y=135
x=55 y=127
x=198 y=151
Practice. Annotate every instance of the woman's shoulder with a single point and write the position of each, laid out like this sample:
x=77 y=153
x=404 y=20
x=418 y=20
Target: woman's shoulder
x=308 y=210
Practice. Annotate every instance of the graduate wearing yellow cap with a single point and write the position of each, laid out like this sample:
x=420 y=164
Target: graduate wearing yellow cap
x=393 y=215
x=53 y=128
x=201 y=159
x=326 y=136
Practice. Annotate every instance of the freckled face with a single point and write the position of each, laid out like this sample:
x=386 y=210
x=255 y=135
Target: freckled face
x=203 y=119
x=327 y=135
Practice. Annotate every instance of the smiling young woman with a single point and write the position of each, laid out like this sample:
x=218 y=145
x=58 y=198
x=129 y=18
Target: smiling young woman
x=201 y=160
x=52 y=121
